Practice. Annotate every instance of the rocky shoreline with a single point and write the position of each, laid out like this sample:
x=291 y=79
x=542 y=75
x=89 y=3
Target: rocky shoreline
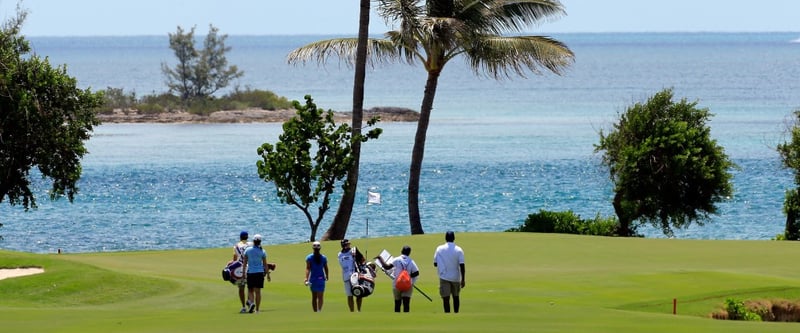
x=386 y=114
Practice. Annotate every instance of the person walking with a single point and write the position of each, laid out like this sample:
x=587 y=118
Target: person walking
x=316 y=275
x=449 y=262
x=399 y=264
x=238 y=255
x=348 y=260
x=255 y=264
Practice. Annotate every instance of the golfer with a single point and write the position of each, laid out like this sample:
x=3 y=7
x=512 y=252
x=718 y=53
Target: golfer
x=255 y=264
x=316 y=275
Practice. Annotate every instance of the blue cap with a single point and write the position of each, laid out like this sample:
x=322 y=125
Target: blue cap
x=243 y=234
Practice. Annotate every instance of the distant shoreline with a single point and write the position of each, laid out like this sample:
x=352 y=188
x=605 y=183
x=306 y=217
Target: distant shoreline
x=386 y=114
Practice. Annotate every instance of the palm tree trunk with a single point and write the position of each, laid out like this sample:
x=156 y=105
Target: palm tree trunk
x=418 y=153
x=338 y=228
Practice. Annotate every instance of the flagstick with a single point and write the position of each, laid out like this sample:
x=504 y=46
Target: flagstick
x=370 y=201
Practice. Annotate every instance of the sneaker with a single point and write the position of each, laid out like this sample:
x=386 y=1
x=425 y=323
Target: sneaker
x=243 y=310
x=252 y=307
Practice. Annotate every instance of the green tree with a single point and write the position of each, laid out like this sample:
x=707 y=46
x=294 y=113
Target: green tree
x=790 y=157
x=341 y=220
x=304 y=177
x=482 y=32
x=199 y=73
x=44 y=120
x=666 y=168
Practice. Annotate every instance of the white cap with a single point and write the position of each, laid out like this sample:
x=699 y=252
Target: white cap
x=257 y=238
x=316 y=245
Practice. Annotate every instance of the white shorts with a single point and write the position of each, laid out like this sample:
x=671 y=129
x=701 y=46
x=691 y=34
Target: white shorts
x=348 y=288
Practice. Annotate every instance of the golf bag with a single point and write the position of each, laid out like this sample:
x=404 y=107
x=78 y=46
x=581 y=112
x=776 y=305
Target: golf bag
x=232 y=271
x=362 y=281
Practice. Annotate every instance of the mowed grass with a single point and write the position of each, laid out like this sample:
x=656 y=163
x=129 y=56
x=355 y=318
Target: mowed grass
x=516 y=282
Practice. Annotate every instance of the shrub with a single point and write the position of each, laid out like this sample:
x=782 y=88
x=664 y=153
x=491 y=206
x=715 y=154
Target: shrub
x=738 y=311
x=547 y=221
x=262 y=99
x=568 y=223
x=600 y=226
x=228 y=105
x=204 y=106
x=150 y=108
x=116 y=98
x=166 y=101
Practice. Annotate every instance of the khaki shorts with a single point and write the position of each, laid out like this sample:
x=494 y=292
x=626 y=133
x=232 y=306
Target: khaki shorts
x=400 y=294
x=449 y=288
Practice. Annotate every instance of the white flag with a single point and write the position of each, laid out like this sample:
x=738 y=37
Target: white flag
x=373 y=198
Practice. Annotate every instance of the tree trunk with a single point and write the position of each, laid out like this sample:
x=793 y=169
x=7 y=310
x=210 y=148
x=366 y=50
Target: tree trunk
x=624 y=223
x=792 y=231
x=418 y=153
x=338 y=228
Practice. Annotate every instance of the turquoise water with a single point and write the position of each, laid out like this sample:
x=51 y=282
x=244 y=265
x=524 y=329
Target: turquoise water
x=496 y=151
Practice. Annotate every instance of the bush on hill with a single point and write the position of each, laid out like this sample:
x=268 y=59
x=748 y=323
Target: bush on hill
x=568 y=223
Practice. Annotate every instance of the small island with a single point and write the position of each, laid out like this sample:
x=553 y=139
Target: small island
x=252 y=115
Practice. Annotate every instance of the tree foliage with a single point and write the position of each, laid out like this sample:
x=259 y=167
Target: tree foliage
x=485 y=33
x=44 y=120
x=199 y=73
x=790 y=158
x=666 y=168
x=312 y=155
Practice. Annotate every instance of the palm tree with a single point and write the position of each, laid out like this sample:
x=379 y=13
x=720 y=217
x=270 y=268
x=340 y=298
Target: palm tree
x=338 y=228
x=437 y=31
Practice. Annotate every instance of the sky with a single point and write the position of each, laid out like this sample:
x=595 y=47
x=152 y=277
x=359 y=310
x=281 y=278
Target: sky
x=303 y=17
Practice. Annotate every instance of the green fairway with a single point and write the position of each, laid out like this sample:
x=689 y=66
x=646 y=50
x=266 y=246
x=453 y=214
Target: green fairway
x=515 y=282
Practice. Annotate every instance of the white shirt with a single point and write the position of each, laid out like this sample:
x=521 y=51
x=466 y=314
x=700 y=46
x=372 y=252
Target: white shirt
x=238 y=250
x=448 y=258
x=346 y=260
x=404 y=262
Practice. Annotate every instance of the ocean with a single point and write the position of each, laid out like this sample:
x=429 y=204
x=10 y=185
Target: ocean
x=496 y=150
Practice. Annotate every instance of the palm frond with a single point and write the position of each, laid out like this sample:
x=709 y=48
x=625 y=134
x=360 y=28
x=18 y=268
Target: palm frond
x=407 y=48
x=499 y=57
x=378 y=50
x=403 y=16
x=501 y=16
x=517 y=15
x=403 y=11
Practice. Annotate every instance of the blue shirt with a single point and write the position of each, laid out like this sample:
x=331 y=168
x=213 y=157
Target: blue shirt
x=255 y=259
x=317 y=270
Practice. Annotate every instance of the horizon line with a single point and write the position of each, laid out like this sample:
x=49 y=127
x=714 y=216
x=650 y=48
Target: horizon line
x=379 y=34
